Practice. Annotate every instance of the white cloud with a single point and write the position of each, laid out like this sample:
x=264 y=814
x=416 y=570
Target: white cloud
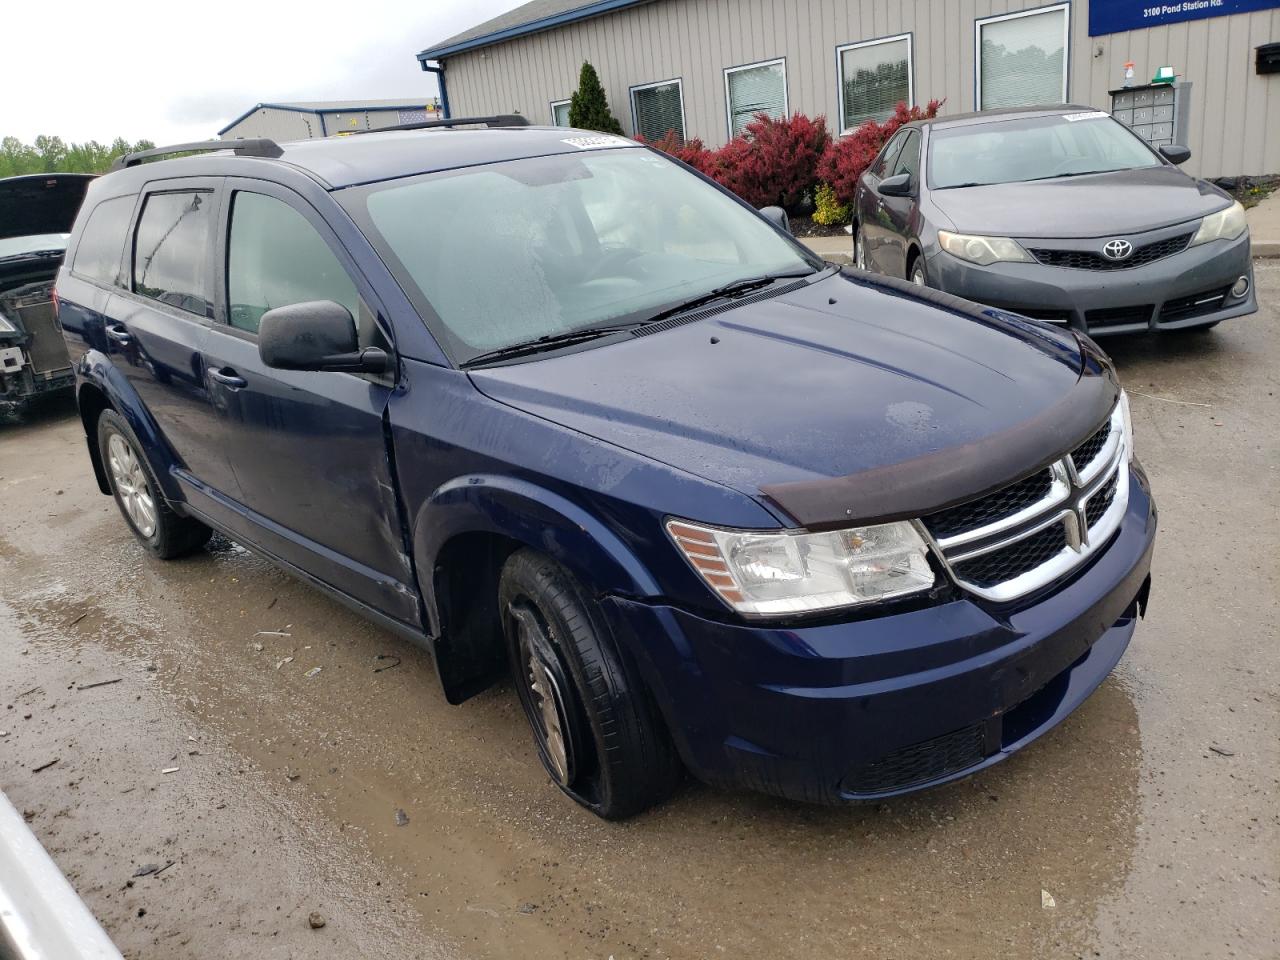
x=172 y=71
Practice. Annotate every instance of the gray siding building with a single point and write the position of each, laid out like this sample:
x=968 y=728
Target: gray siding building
x=308 y=120
x=703 y=67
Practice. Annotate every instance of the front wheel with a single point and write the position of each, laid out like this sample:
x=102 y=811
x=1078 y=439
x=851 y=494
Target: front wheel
x=598 y=732
x=859 y=248
x=138 y=495
x=917 y=275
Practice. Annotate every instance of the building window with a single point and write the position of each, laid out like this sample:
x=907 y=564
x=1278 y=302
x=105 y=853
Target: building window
x=560 y=113
x=1022 y=58
x=754 y=89
x=658 y=109
x=874 y=76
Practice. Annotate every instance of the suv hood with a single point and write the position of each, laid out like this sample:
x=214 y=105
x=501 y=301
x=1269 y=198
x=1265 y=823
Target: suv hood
x=1095 y=205
x=852 y=397
x=41 y=204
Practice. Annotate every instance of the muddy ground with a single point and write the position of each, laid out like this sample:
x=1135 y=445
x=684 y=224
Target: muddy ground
x=1150 y=816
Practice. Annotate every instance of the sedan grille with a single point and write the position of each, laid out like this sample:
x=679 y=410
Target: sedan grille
x=1090 y=260
x=1028 y=534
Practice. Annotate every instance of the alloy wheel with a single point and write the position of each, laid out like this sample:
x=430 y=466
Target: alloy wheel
x=543 y=692
x=131 y=484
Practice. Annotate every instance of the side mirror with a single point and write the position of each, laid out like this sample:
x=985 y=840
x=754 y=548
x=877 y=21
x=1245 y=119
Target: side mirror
x=1175 y=153
x=315 y=335
x=896 y=186
x=778 y=217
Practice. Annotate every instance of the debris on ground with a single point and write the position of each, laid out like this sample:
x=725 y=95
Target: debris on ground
x=1221 y=751
x=257 y=647
x=281 y=663
x=315 y=921
x=170 y=770
x=44 y=766
x=99 y=683
x=402 y=818
x=312 y=672
x=146 y=870
x=385 y=656
x=272 y=633
x=1046 y=900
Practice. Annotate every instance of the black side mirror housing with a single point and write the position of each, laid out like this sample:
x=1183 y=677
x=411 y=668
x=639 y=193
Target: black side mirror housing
x=315 y=335
x=897 y=186
x=778 y=217
x=1175 y=153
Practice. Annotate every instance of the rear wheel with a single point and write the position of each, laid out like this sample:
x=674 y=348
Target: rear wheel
x=598 y=732
x=137 y=494
x=859 y=248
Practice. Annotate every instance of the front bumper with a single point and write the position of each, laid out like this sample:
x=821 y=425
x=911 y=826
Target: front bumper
x=870 y=709
x=1177 y=292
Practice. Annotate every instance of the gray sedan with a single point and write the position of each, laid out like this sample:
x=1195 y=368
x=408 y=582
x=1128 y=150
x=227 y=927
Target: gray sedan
x=1056 y=213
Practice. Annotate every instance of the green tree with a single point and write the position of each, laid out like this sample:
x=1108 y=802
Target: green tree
x=53 y=155
x=589 y=107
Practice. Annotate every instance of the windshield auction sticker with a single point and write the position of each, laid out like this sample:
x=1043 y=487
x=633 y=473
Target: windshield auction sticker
x=598 y=142
x=1091 y=115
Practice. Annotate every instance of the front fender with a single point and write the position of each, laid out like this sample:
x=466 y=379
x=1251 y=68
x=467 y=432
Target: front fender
x=96 y=369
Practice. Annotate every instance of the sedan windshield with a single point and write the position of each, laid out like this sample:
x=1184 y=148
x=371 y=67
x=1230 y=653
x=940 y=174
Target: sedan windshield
x=530 y=251
x=1033 y=148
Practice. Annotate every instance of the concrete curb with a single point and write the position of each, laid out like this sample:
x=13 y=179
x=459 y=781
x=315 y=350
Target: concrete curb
x=1264 y=251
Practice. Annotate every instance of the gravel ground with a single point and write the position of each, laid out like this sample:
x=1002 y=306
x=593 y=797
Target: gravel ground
x=421 y=830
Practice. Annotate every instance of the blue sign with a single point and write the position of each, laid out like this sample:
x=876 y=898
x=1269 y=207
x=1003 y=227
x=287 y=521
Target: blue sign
x=1117 y=16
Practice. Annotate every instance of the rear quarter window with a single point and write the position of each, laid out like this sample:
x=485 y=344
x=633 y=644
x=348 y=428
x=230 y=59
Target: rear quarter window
x=101 y=245
x=172 y=254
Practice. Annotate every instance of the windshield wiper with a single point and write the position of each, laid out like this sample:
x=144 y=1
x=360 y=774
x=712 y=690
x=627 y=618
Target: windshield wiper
x=734 y=289
x=551 y=341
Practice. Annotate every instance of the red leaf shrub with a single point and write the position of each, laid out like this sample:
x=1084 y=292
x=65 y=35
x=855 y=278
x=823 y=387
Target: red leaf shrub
x=773 y=161
x=847 y=157
x=692 y=152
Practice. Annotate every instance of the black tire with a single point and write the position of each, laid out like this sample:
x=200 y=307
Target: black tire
x=170 y=535
x=618 y=758
x=859 y=245
x=916 y=269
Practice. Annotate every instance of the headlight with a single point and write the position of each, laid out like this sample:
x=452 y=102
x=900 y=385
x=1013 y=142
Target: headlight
x=772 y=574
x=1224 y=225
x=6 y=326
x=982 y=250
x=1126 y=419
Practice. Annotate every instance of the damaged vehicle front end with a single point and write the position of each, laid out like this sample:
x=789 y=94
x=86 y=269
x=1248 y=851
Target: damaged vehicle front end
x=36 y=214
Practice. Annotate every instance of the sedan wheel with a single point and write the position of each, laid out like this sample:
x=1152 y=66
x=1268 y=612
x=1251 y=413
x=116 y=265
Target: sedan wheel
x=859 y=250
x=917 y=275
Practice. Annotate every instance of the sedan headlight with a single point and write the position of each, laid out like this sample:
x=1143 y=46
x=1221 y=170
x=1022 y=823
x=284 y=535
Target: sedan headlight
x=6 y=326
x=1224 y=225
x=982 y=250
x=773 y=574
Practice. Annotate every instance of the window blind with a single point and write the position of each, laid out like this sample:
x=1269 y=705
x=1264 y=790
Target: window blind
x=874 y=79
x=1024 y=60
x=753 y=90
x=658 y=111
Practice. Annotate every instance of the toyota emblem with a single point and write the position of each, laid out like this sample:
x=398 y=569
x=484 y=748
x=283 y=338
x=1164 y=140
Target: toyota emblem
x=1117 y=249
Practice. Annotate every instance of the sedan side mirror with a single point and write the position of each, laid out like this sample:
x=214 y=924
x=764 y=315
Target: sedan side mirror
x=1175 y=153
x=315 y=335
x=897 y=186
x=778 y=217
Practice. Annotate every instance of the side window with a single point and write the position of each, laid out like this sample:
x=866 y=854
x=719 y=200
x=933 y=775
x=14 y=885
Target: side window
x=101 y=245
x=885 y=160
x=171 y=260
x=275 y=258
x=909 y=159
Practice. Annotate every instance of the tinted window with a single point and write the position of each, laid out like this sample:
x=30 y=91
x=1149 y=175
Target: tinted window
x=277 y=258
x=102 y=243
x=881 y=166
x=171 y=254
x=909 y=159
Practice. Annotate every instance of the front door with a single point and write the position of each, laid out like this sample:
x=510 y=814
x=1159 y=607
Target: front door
x=898 y=213
x=308 y=449
x=872 y=221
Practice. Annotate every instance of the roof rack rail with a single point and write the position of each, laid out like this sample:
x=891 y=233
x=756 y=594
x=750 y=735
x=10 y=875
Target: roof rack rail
x=255 y=147
x=498 y=120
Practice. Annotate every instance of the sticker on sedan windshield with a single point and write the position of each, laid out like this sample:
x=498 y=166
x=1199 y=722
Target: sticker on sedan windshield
x=1091 y=115
x=598 y=142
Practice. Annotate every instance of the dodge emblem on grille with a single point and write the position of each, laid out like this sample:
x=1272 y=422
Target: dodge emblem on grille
x=1117 y=249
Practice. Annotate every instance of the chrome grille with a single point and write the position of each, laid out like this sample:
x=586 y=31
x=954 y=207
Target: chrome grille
x=1007 y=544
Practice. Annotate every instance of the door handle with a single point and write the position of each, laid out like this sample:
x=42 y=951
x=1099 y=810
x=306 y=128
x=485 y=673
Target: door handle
x=119 y=334
x=229 y=378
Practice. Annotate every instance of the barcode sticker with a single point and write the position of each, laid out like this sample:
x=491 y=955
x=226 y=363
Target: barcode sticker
x=598 y=142
x=1091 y=115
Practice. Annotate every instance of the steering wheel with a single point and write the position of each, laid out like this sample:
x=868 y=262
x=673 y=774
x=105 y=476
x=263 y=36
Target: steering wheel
x=611 y=259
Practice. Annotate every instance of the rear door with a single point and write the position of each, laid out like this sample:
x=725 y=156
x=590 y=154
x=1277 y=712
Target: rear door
x=308 y=450
x=156 y=327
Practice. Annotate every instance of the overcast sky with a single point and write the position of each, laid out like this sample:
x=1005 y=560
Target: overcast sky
x=173 y=71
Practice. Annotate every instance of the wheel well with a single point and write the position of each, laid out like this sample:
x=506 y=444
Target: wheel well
x=913 y=254
x=470 y=652
x=92 y=402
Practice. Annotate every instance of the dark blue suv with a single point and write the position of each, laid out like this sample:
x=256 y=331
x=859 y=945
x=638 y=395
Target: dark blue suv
x=551 y=404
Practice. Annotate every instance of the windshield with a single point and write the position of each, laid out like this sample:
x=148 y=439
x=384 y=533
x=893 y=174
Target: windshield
x=40 y=243
x=508 y=253
x=1035 y=148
